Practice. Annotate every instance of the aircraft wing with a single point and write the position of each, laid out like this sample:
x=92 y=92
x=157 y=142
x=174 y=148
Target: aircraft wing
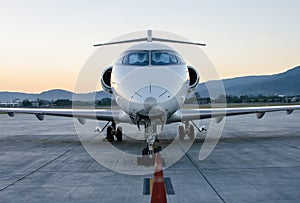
x=122 y=117
x=81 y=114
x=220 y=113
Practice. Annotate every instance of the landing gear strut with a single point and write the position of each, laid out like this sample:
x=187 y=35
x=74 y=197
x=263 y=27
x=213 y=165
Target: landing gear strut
x=151 y=134
x=151 y=137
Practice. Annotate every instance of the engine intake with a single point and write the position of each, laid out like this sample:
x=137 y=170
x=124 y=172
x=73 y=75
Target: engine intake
x=194 y=77
x=106 y=79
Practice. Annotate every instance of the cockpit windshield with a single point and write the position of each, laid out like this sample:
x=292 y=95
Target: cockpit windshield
x=157 y=58
x=139 y=58
x=163 y=58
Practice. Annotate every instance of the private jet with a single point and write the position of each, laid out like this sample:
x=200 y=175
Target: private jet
x=149 y=82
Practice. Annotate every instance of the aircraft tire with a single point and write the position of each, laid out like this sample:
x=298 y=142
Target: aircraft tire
x=192 y=133
x=119 y=134
x=181 y=132
x=145 y=151
x=157 y=149
x=109 y=135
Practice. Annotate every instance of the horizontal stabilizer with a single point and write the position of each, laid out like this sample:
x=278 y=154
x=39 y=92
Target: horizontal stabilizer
x=122 y=42
x=149 y=38
x=177 y=41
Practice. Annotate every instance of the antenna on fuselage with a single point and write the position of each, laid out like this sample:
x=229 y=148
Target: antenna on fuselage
x=149 y=35
x=150 y=39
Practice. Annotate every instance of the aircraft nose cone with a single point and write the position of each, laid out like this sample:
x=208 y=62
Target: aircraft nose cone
x=150 y=99
x=152 y=108
x=149 y=103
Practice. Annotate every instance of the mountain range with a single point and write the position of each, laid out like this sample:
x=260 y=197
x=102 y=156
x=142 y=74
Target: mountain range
x=286 y=83
x=53 y=95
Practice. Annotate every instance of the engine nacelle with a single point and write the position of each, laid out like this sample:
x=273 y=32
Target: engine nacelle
x=194 y=76
x=106 y=79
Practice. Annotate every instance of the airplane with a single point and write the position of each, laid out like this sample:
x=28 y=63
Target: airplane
x=149 y=99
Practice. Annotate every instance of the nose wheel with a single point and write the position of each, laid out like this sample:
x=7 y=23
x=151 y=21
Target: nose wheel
x=146 y=150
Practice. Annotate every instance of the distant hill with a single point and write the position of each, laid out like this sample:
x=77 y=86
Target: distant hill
x=286 y=83
x=53 y=95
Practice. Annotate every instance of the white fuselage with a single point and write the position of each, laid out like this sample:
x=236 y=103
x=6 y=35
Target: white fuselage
x=144 y=90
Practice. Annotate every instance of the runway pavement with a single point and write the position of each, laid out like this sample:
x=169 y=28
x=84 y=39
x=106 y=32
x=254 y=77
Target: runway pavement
x=255 y=160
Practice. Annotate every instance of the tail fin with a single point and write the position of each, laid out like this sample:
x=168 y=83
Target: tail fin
x=149 y=38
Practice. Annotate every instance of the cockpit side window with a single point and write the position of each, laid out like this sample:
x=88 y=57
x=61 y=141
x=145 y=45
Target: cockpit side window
x=179 y=58
x=138 y=58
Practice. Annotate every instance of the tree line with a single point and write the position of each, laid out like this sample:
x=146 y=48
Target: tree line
x=243 y=99
x=66 y=103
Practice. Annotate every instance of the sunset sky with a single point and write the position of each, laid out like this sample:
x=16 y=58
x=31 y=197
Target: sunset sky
x=44 y=43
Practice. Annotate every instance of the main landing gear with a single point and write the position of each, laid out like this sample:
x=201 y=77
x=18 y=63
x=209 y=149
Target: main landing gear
x=112 y=132
x=186 y=132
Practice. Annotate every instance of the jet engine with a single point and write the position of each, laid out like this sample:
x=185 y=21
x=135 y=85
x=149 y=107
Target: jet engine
x=194 y=77
x=106 y=79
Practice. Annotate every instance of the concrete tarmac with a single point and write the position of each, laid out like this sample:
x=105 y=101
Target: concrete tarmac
x=255 y=160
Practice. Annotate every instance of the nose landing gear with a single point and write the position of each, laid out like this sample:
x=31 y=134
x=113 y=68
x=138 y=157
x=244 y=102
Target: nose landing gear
x=151 y=137
x=151 y=124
